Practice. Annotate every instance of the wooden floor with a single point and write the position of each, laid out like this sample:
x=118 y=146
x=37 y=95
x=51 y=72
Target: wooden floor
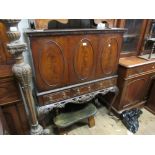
x=111 y=125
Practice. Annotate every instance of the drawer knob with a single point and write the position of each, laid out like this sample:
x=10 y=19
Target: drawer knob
x=101 y=84
x=64 y=95
x=78 y=91
x=84 y=44
x=153 y=67
x=89 y=88
x=50 y=98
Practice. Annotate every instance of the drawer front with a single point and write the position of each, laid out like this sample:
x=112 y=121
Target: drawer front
x=77 y=91
x=8 y=95
x=141 y=69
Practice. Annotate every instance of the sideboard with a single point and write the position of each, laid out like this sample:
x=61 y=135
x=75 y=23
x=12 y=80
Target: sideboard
x=74 y=65
x=134 y=82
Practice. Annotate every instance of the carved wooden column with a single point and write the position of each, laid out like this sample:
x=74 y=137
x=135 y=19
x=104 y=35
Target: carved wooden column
x=22 y=72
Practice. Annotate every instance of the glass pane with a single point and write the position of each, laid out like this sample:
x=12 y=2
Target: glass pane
x=151 y=37
x=131 y=37
x=153 y=30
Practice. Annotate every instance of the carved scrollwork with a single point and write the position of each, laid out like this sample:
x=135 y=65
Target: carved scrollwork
x=76 y=100
x=23 y=74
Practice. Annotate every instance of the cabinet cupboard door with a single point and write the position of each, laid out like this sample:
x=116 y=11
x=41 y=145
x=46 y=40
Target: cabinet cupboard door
x=16 y=118
x=135 y=91
x=151 y=100
x=2 y=55
x=108 y=56
x=8 y=95
x=132 y=36
x=49 y=56
x=83 y=49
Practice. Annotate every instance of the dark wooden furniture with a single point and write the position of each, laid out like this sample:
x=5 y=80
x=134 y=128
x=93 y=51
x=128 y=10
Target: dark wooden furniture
x=148 y=46
x=149 y=34
x=10 y=100
x=150 y=105
x=3 y=124
x=70 y=23
x=135 y=76
x=134 y=37
x=74 y=65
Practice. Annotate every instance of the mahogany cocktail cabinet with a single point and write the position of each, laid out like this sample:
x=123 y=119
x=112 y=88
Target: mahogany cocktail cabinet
x=74 y=65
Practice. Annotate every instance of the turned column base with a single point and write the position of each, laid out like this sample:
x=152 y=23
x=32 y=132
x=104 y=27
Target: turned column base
x=38 y=130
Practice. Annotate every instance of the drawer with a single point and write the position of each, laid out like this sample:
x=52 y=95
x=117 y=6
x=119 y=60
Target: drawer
x=105 y=83
x=83 y=89
x=57 y=96
x=9 y=92
x=69 y=93
x=77 y=91
x=141 y=69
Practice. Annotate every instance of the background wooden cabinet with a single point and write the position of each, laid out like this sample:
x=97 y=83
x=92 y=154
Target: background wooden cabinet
x=133 y=38
x=150 y=105
x=10 y=100
x=149 y=34
x=134 y=81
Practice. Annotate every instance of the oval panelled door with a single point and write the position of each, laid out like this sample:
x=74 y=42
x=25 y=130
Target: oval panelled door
x=84 y=59
x=52 y=58
x=109 y=56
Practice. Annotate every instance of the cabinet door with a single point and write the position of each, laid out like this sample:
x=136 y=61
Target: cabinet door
x=149 y=34
x=133 y=37
x=82 y=51
x=108 y=55
x=10 y=95
x=2 y=55
x=50 y=62
x=150 y=83
x=16 y=118
x=151 y=101
x=135 y=91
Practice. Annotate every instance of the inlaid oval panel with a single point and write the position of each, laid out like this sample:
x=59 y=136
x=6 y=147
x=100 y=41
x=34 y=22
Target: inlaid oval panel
x=109 y=56
x=84 y=59
x=51 y=64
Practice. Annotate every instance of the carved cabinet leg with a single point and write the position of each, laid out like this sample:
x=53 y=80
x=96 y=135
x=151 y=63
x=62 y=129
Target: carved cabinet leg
x=22 y=72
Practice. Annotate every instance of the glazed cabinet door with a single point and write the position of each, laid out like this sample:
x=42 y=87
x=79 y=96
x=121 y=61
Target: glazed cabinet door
x=50 y=62
x=133 y=38
x=135 y=91
x=108 y=55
